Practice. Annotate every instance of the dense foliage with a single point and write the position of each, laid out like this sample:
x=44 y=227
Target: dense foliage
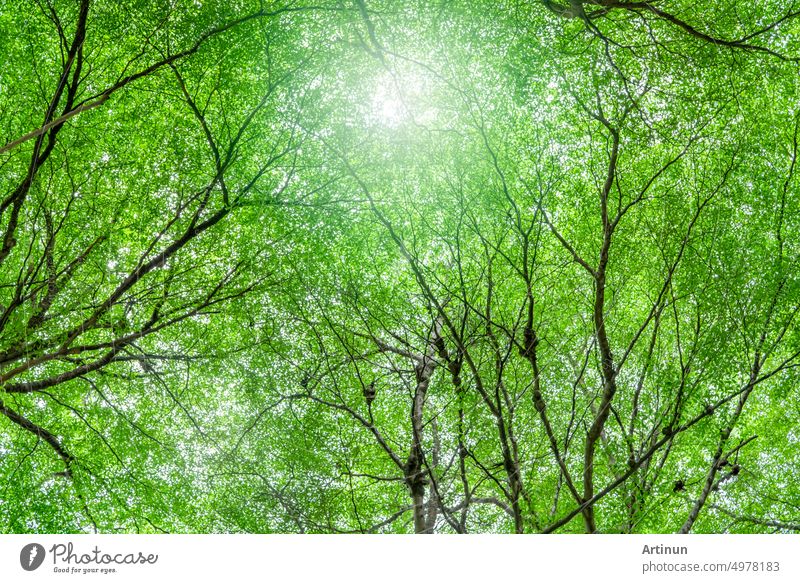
x=369 y=266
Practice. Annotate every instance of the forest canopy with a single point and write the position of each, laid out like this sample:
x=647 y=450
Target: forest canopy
x=364 y=266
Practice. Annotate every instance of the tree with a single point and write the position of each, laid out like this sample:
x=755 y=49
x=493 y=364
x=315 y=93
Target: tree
x=527 y=267
x=118 y=244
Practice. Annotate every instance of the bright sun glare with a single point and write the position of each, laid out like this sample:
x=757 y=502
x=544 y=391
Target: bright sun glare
x=396 y=100
x=390 y=110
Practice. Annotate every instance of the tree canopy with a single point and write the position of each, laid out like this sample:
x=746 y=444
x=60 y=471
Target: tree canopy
x=367 y=266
